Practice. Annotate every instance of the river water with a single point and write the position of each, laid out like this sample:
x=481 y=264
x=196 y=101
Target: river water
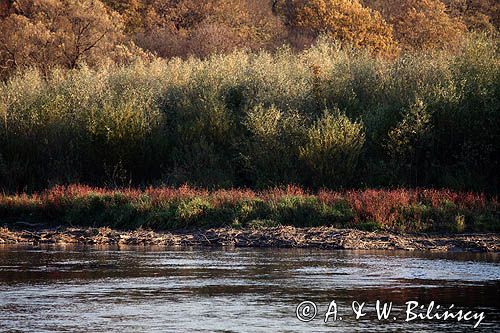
x=137 y=289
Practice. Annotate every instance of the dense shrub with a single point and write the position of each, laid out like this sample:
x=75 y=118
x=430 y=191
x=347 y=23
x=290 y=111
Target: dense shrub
x=258 y=120
x=270 y=154
x=332 y=148
x=79 y=125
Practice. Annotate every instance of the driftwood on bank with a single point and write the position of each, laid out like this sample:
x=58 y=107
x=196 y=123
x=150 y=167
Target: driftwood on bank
x=279 y=237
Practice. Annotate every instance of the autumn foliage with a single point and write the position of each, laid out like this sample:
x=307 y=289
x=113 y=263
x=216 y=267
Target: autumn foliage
x=67 y=33
x=421 y=24
x=52 y=33
x=344 y=20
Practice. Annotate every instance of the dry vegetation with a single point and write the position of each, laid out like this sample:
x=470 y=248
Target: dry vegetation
x=282 y=237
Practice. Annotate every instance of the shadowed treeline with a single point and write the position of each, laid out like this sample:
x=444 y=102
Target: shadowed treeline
x=328 y=116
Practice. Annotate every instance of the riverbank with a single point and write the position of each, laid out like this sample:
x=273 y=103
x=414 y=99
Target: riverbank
x=278 y=237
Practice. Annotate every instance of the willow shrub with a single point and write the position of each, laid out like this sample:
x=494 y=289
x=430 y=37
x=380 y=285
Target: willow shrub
x=259 y=120
x=270 y=154
x=332 y=148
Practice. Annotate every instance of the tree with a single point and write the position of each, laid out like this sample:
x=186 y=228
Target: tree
x=5 y=8
x=483 y=15
x=420 y=24
x=344 y=20
x=191 y=27
x=47 y=33
x=131 y=12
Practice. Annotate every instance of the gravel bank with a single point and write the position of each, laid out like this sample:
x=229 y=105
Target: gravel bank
x=279 y=237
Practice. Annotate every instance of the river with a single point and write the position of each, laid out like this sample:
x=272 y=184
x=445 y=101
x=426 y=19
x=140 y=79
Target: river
x=145 y=289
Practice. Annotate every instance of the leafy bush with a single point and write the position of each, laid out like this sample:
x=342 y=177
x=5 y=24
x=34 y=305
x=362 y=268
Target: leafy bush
x=333 y=146
x=272 y=148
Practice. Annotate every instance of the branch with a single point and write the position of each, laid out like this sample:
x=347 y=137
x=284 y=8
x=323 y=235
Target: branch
x=95 y=42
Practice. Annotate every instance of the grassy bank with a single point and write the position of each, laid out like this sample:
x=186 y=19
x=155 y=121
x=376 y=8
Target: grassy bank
x=173 y=208
x=327 y=117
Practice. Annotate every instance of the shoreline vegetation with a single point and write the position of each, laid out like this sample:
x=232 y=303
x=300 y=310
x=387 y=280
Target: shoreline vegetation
x=163 y=208
x=329 y=116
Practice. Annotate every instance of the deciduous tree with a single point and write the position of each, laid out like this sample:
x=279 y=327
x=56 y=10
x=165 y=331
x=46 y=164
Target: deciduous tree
x=420 y=24
x=184 y=27
x=345 y=20
x=47 y=33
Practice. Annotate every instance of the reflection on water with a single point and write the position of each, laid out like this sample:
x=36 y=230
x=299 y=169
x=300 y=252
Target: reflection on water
x=242 y=290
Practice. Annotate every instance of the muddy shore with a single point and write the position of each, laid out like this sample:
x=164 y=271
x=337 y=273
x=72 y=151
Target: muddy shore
x=279 y=237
